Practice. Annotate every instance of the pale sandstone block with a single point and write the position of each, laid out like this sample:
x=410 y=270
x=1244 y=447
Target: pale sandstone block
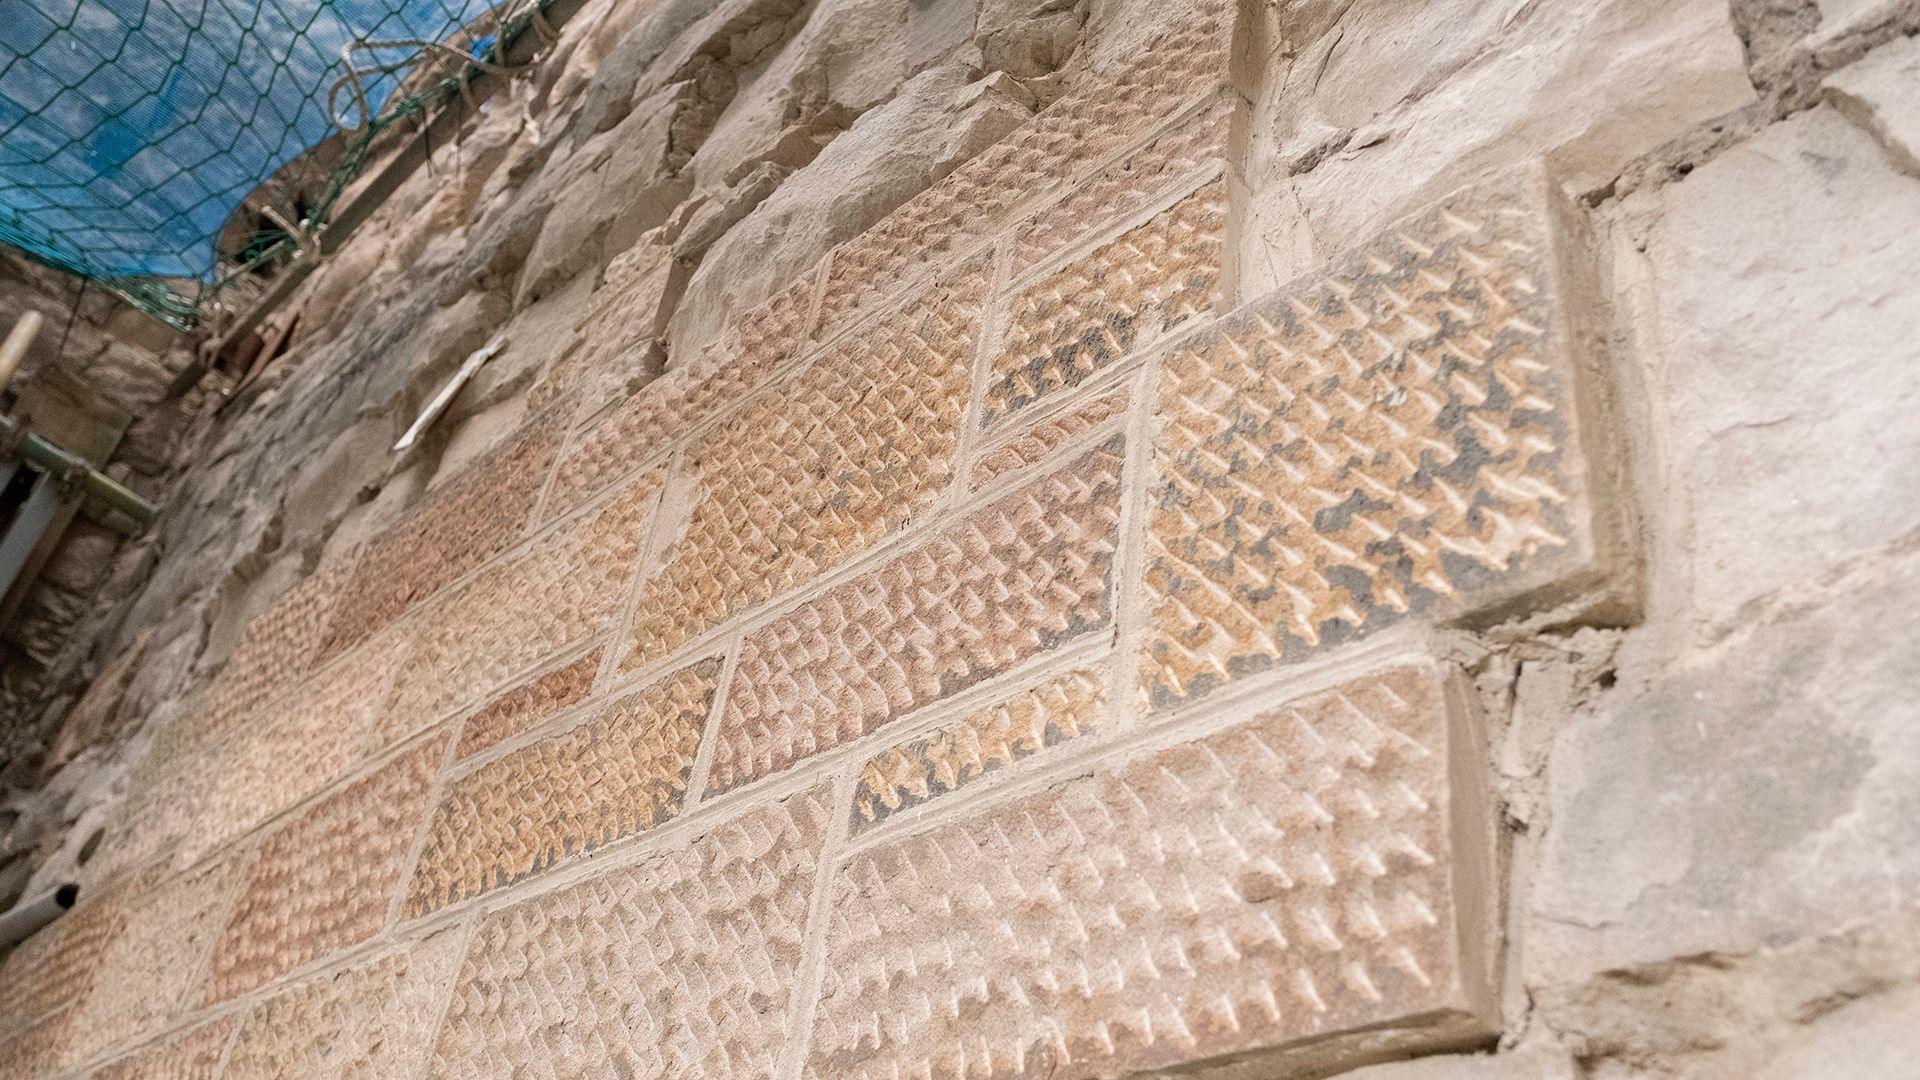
x=616 y=775
x=475 y=516
x=567 y=588
x=193 y=1055
x=1031 y=445
x=1403 y=435
x=818 y=467
x=324 y=880
x=1299 y=890
x=1570 y=83
x=1741 y=797
x=526 y=705
x=39 y=1050
x=1002 y=585
x=155 y=962
x=1189 y=144
x=644 y=423
x=1075 y=133
x=60 y=966
x=1781 y=320
x=684 y=965
x=957 y=755
x=1075 y=321
x=292 y=749
x=1881 y=93
x=369 y=1022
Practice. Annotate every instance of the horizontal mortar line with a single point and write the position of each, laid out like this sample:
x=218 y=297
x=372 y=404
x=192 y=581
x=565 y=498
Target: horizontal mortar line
x=548 y=724
x=1196 y=721
x=1109 y=377
x=1018 y=213
x=1159 y=200
x=237 y=1006
x=762 y=614
x=361 y=771
x=696 y=819
x=806 y=352
x=1086 y=649
x=902 y=820
x=1077 y=443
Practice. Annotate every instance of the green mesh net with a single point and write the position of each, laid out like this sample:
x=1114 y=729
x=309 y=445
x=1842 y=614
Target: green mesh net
x=163 y=148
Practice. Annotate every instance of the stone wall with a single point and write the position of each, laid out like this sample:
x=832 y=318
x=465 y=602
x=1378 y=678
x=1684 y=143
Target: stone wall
x=1066 y=539
x=50 y=648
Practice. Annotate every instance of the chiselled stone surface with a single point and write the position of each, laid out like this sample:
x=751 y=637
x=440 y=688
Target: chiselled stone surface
x=1073 y=134
x=193 y=1055
x=663 y=410
x=38 y=1050
x=1078 y=319
x=1129 y=185
x=958 y=754
x=684 y=965
x=60 y=965
x=818 y=467
x=1000 y=586
x=153 y=965
x=620 y=773
x=293 y=748
x=1032 y=445
x=371 y=1022
x=1287 y=878
x=279 y=646
x=324 y=880
x=566 y=589
x=473 y=517
x=527 y=704
x=1392 y=437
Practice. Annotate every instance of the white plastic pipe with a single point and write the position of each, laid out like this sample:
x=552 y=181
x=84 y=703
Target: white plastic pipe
x=24 y=919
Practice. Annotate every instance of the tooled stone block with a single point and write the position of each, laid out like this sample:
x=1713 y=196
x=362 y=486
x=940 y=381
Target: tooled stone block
x=325 y=879
x=618 y=774
x=1188 y=144
x=1094 y=120
x=1082 y=317
x=191 y=1055
x=1001 y=585
x=818 y=467
x=460 y=525
x=646 y=422
x=1406 y=434
x=1032 y=444
x=960 y=753
x=1302 y=888
x=154 y=963
x=682 y=965
x=527 y=704
x=372 y=1021
x=567 y=588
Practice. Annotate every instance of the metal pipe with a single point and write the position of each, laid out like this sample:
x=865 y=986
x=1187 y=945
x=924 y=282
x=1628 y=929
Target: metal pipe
x=24 y=919
x=74 y=469
x=16 y=344
x=61 y=465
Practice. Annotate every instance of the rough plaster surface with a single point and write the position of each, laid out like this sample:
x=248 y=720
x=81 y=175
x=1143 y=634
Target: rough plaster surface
x=1051 y=538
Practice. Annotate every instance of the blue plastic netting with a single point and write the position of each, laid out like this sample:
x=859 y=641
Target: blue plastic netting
x=131 y=130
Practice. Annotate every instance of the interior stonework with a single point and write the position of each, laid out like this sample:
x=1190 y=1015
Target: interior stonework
x=1259 y=539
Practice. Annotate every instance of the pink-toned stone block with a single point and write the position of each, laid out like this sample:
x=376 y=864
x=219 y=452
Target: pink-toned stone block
x=1002 y=585
x=1303 y=888
x=324 y=881
x=686 y=964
